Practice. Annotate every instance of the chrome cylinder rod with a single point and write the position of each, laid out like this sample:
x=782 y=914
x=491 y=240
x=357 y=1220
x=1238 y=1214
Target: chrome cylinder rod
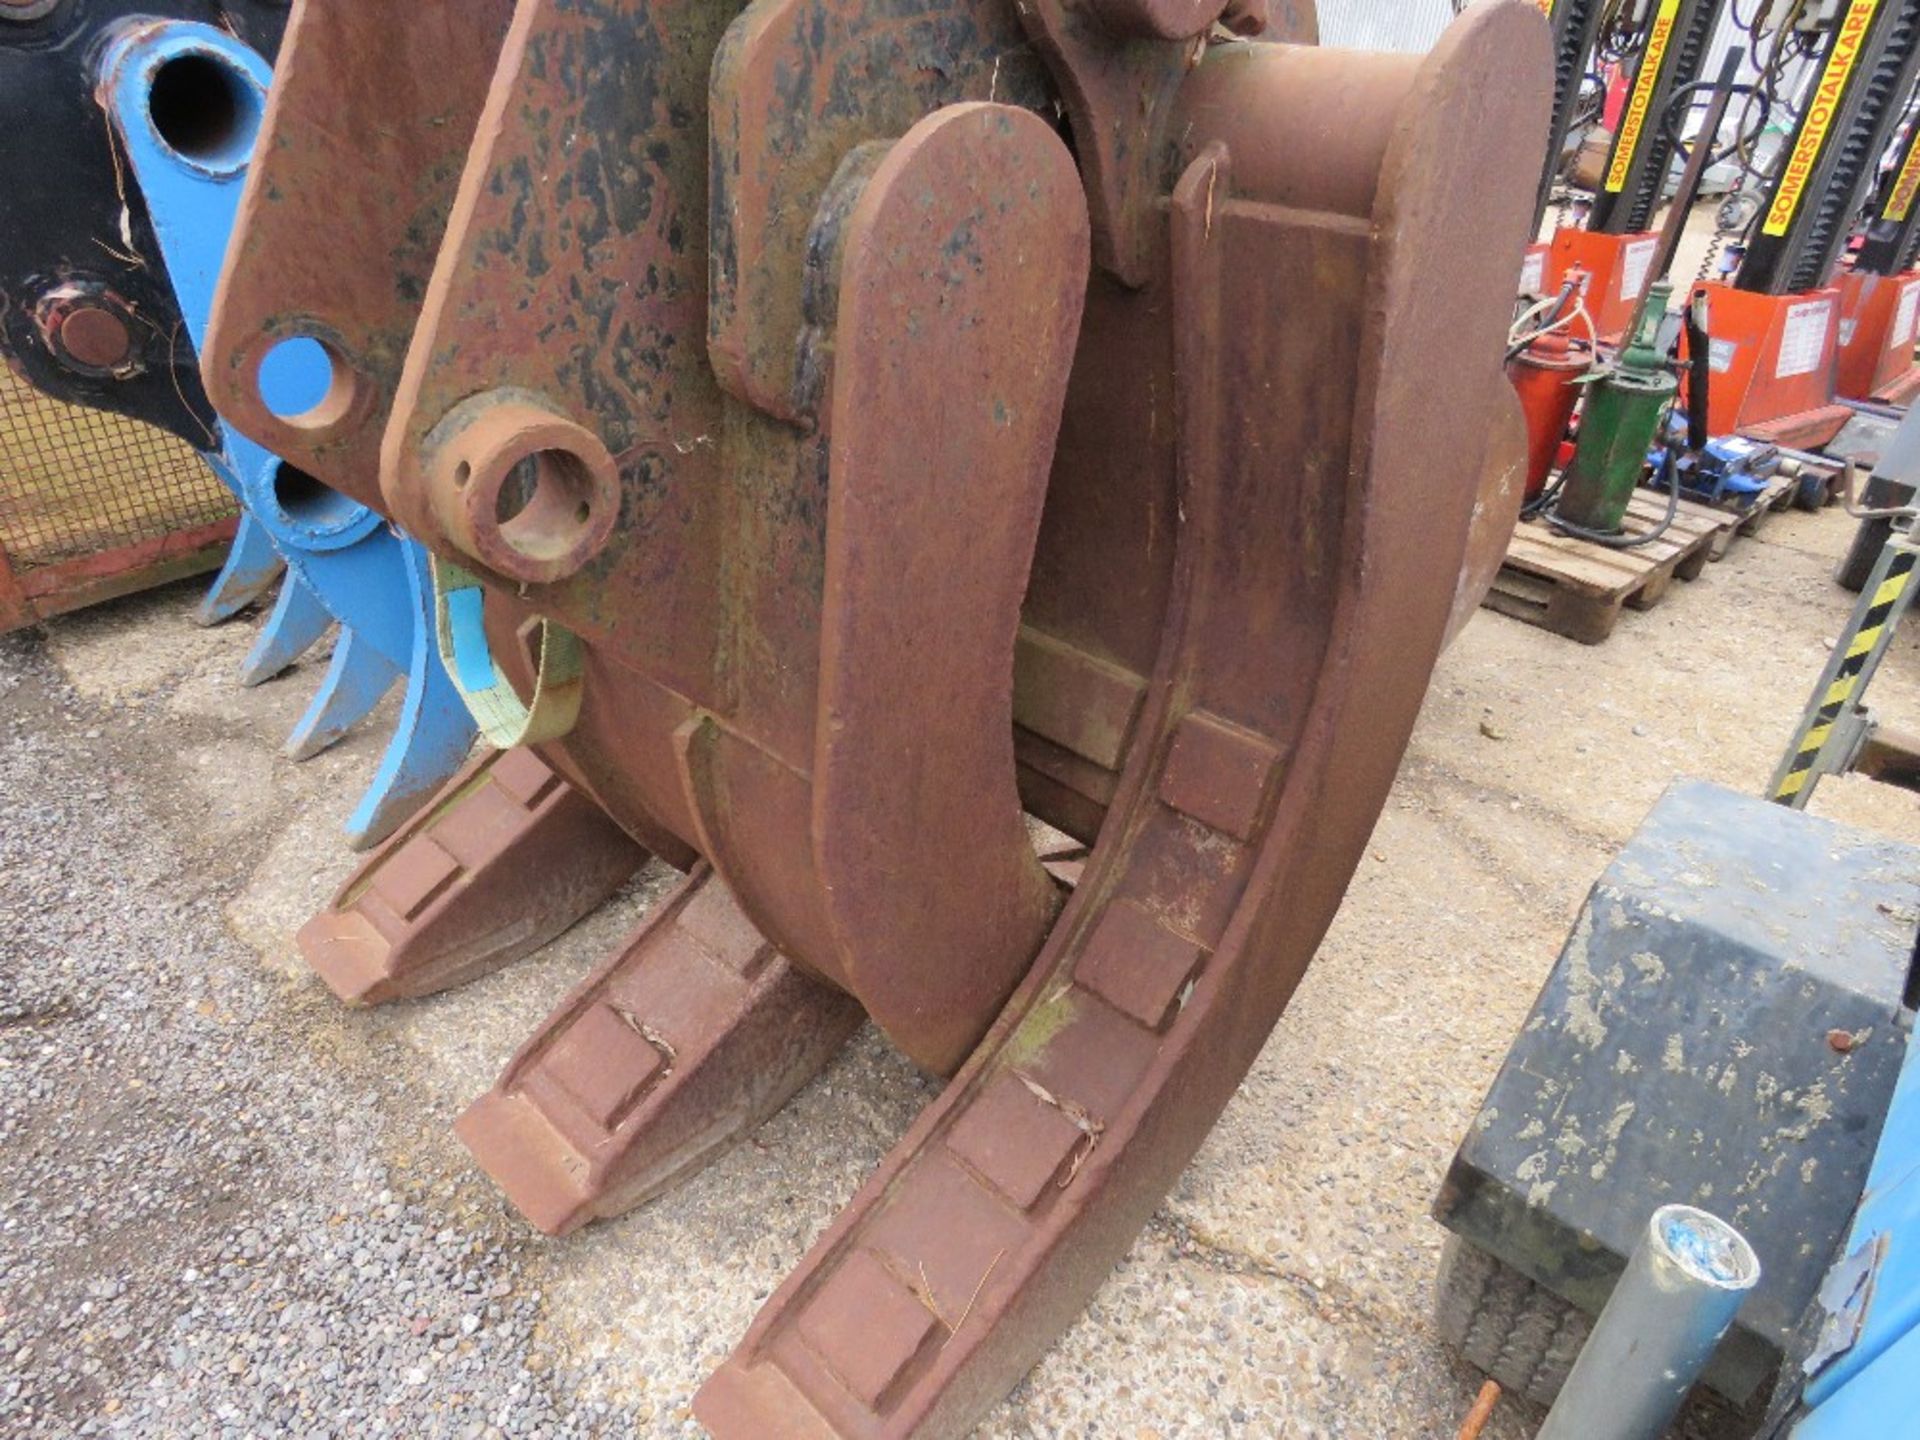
x=1680 y=1292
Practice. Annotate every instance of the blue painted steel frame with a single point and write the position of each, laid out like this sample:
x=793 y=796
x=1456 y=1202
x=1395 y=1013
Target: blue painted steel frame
x=344 y=563
x=1873 y=1388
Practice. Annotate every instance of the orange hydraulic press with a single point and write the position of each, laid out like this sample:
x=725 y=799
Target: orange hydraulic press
x=1880 y=295
x=1776 y=327
x=1618 y=247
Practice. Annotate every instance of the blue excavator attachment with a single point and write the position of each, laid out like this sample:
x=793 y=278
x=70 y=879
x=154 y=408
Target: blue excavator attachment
x=187 y=101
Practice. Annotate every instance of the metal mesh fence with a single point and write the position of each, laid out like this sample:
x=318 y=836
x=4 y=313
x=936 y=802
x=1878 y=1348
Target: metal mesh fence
x=78 y=482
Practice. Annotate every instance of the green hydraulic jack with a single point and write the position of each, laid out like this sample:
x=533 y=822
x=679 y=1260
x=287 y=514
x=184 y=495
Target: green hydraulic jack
x=1623 y=413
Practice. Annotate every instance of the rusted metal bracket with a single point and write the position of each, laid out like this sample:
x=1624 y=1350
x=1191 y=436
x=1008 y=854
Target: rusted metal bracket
x=507 y=857
x=394 y=92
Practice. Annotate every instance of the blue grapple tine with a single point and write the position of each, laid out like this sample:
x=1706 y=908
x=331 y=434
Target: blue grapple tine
x=424 y=750
x=297 y=621
x=357 y=676
x=251 y=568
x=360 y=571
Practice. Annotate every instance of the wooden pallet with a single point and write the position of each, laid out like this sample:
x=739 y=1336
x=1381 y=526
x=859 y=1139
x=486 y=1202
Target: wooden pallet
x=1577 y=588
x=1776 y=497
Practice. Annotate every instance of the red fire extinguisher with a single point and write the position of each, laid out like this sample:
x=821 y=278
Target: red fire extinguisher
x=1545 y=367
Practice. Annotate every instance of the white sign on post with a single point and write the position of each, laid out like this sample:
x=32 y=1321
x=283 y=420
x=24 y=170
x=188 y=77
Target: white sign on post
x=1903 y=320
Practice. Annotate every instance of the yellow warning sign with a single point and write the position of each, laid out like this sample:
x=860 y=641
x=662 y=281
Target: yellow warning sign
x=1908 y=185
x=1822 y=107
x=1546 y=7
x=1633 y=124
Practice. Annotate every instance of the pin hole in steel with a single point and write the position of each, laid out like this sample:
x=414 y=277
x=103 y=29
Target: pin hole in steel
x=206 y=110
x=522 y=488
x=545 y=504
x=312 y=503
x=306 y=383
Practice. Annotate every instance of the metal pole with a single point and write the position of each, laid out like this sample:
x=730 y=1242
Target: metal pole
x=1826 y=733
x=1698 y=157
x=1681 y=1289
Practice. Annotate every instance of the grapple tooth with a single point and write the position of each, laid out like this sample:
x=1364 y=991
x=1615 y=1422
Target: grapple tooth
x=357 y=676
x=434 y=731
x=674 y=1049
x=973 y=223
x=251 y=567
x=507 y=856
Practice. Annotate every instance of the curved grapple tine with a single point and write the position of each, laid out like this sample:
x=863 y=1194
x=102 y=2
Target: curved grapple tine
x=357 y=676
x=252 y=565
x=434 y=732
x=1321 y=535
x=293 y=627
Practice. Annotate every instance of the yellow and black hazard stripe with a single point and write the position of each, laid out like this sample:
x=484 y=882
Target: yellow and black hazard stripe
x=1846 y=679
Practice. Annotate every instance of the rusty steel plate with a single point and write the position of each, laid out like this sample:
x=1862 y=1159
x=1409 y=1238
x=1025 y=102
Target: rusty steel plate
x=391 y=93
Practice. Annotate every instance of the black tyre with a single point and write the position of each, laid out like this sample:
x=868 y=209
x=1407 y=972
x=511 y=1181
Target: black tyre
x=1868 y=541
x=1503 y=1324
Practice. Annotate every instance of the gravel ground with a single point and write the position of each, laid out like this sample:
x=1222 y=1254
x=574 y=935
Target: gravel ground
x=229 y=1207
x=199 y=1234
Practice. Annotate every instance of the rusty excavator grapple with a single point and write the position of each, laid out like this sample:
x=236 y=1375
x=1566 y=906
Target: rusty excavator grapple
x=849 y=432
